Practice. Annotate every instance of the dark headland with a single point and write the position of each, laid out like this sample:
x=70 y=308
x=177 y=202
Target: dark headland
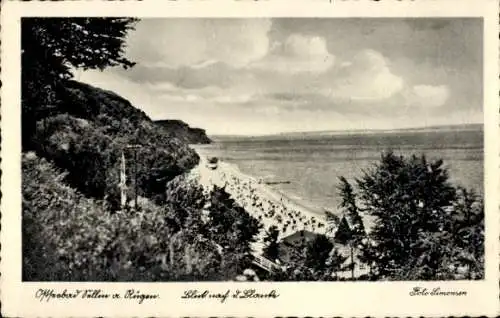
x=183 y=132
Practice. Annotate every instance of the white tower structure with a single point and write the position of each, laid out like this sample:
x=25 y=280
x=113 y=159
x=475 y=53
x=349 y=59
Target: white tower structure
x=123 y=182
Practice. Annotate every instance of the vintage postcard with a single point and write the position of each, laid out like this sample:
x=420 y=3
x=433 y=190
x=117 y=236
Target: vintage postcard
x=250 y=158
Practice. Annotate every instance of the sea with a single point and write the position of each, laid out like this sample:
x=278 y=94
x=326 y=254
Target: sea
x=306 y=167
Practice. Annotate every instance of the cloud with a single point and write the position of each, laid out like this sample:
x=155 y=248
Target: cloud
x=194 y=42
x=427 y=95
x=251 y=75
x=367 y=77
x=162 y=86
x=205 y=97
x=297 y=45
x=298 y=53
x=141 y=96
x=167 y=91
x=211 y=74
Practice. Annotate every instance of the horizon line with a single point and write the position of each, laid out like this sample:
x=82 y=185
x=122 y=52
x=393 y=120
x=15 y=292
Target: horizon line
x=359 y=130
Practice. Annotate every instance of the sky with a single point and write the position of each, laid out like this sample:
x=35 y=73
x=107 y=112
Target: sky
x=265 y=76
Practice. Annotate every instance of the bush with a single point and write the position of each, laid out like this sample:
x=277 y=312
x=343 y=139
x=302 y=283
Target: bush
x=308 y=260
x=67 y=237
x=77 y=145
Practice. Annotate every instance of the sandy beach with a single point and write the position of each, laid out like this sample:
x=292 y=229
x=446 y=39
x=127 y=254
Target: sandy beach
x=266 y=204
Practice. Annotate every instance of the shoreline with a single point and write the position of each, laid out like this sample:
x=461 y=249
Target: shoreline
x=270 y=206
x=315 y=210
x=278 y=194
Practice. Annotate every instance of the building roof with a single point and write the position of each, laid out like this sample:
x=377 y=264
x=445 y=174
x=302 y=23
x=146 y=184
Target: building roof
x=302 y=235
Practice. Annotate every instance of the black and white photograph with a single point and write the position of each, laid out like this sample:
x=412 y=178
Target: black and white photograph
x=252 y=149
x=250 y=159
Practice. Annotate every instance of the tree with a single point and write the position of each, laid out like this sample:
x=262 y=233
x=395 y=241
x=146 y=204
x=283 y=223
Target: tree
x=348 y=204
x=466 y=235
x=352 y=235
x=232 y=228
x=344 y=233
x=317 y=253
x=50 y=47
x=346 y=236
x=271 y=250
x=368 y=255
x=416 y=229
x=332 y=221
x=306 y=260
x=335 y=261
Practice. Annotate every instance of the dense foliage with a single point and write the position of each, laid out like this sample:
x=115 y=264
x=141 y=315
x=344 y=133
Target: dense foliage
x=183 y=132
x=94 y=132
x=50 y=47
x=233 y=229
x=311 y=258
x=425 y=228
x=69 y=237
